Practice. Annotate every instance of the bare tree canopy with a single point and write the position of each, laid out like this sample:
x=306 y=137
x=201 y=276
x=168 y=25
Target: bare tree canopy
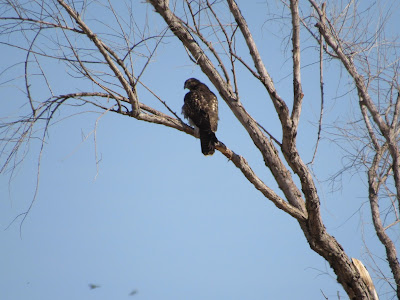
x=309 y=103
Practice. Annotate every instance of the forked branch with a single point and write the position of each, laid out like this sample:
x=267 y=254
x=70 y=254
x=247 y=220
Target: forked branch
x=103 y=50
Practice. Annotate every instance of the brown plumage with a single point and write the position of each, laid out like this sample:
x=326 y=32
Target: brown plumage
x=201 y=108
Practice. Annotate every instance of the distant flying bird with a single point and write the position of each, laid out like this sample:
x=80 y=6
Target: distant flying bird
x=201 y=108
x=93 y=286
x=134 y=292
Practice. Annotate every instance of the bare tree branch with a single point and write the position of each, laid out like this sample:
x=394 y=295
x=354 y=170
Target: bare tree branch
x=374 y=186
x=266 y=147
x=298 y=93
x=103 y=50
x=113 y=59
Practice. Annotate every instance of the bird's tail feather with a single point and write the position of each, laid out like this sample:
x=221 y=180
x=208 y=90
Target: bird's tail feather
x=208 y=140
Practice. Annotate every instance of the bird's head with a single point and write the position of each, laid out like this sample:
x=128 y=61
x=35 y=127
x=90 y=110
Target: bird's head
x=191 y=83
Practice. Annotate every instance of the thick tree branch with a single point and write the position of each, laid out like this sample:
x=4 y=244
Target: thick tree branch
x=374 y=186
x=244 y=167
x=298 y=93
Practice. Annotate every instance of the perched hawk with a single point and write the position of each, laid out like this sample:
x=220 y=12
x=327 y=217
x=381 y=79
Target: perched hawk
x=201 y=108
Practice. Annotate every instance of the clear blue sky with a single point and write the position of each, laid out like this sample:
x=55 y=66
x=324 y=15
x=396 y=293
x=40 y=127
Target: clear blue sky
x=159 y=217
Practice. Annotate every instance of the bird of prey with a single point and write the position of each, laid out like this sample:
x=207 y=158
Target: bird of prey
x=201 y=108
